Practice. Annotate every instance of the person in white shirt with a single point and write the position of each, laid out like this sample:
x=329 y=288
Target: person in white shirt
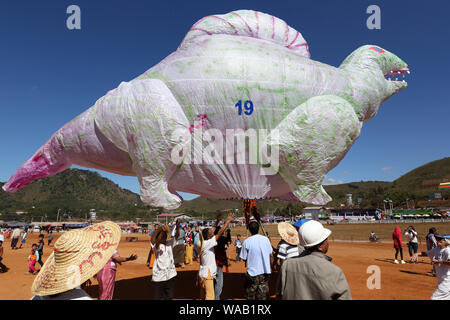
x=15 y=238
x=257 y=253
x=208 y=267
x=413 y=244
x=440 y=258
x=164 y=271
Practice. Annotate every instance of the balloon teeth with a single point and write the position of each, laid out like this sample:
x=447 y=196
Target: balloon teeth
x=408 y=72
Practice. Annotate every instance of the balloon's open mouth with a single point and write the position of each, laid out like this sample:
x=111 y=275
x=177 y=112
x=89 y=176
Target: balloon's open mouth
x=394 y=75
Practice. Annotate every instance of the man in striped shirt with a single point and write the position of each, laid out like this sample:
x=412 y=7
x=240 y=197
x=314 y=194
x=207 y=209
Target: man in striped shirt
x=288 y=247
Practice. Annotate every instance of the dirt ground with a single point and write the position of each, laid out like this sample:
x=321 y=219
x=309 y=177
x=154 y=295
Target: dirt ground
x=133 y=281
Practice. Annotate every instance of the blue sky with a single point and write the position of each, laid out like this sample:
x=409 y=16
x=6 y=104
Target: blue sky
x=49 y=74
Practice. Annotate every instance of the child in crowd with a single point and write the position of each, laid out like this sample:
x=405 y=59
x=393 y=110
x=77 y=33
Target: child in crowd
x=32 y=258
x=40 y=250
x=238 y=245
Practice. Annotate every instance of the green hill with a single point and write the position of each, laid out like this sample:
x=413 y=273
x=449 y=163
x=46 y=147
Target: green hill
x=414 y=185
x=76 y=191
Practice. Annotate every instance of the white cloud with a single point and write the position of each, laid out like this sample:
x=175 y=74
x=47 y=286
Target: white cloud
x=331 y=181
x=386 y=169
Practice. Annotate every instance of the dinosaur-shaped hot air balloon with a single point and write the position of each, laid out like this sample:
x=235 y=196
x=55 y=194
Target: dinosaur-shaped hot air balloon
x=242 y=57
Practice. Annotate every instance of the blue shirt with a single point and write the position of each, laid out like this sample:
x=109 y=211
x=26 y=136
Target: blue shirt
x=257 y=250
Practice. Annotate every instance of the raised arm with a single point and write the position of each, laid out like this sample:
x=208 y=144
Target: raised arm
x=177 y=230
x=225 y=225
x=219 y=217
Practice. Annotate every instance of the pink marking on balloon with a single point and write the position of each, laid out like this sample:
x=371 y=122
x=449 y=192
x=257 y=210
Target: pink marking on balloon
x=235 y=30
x=296 y=36
x=203 y=30
x=193 y=28
x=257 y=24
x=286 y=32
x=249 y=29
x=303 y=45
x=273 y=26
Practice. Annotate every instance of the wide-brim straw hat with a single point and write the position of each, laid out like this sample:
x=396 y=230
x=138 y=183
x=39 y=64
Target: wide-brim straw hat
x=288 y=233
x=77 y=256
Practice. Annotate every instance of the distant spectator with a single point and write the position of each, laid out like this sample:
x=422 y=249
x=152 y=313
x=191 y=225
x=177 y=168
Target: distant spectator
x=24 y=238
x=196 y=252
x=50 y=237
x=397 y=238
x=431 y=243
x=228 y=237
x=413 y=245
x=238 y=245
x=15 y=238
x=189 y=248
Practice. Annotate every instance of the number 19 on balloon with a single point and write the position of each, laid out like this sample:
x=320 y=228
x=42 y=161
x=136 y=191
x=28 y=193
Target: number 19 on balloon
x=248 y=107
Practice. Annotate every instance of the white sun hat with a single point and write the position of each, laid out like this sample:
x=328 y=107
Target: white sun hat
x=312 y=233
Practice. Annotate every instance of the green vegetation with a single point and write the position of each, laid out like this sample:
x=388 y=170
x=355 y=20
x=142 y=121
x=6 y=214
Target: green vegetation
x=76 y=191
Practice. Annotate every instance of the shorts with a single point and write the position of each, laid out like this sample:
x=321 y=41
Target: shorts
x=257 y=287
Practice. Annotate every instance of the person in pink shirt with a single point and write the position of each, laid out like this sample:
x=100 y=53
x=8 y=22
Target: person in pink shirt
x=107 y=276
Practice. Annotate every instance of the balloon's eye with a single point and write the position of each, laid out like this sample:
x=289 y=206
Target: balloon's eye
x=377 y=49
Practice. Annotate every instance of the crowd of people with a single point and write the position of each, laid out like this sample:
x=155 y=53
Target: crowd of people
x=299 y=261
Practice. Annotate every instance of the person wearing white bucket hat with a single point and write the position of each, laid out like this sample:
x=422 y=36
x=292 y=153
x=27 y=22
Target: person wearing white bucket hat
x=312 y=276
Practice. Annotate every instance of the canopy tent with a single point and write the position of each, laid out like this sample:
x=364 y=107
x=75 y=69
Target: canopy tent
x=16 y=224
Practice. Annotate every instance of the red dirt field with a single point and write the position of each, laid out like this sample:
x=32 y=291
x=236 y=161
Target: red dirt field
x=133 y=281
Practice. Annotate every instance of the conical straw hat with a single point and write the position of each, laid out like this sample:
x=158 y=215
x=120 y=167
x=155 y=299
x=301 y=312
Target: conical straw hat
x=77 y=256
x=288 y=233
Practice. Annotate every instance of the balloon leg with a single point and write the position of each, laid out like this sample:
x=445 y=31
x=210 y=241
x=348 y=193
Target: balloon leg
x=141 y=117
x=312 y=140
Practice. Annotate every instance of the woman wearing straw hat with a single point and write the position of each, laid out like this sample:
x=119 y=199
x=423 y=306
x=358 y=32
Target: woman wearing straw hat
x=77 y=256
x=164 y=270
